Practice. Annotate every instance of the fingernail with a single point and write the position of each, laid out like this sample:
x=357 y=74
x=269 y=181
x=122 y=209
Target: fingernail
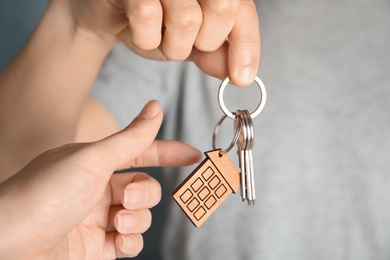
x=128 y=242
x=246 y=76
x=127 y=221
x=150 y=110
x=135 y=197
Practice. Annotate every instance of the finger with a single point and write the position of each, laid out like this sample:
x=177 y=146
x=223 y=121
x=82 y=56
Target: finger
x=145 y=22
x=119 y=245
x=111 y=217
x=219 y=17
x=213 y=63
x=182 y=20
x=155 y=54
x=168 y=154
x=134 y=190
x=128 y=245
x=133 y=221
x=123 y=147
x=128 y=221
x=144 y=192
x=244 y=49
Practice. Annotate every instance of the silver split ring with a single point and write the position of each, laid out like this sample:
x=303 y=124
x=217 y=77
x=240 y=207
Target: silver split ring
x=256 y=112
x=235 y=138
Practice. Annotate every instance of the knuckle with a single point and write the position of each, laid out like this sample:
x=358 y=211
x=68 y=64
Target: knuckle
x=146 y=11
x=225 y=8
x=188 y=17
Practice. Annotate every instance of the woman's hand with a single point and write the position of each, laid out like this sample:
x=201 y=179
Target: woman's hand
x=180 y=30
x=66 y=203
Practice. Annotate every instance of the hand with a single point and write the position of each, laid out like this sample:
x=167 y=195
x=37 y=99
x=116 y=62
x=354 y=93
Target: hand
x=177 y=30
x=67 y=204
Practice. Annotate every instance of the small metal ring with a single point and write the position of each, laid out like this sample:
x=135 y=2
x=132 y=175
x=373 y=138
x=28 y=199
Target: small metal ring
x=258 y=109
x=235 y=138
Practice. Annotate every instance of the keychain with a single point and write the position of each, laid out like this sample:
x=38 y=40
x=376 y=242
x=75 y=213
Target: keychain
x=216 y=177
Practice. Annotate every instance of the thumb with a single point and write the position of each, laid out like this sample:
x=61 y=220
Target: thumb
x=120 y=149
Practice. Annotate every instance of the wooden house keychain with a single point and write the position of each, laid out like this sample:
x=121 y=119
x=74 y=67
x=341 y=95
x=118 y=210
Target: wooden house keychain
x=216 y=177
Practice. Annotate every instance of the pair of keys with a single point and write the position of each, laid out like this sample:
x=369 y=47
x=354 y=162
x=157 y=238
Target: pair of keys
x=244 y=144
x=216 y=177
x=244 y=131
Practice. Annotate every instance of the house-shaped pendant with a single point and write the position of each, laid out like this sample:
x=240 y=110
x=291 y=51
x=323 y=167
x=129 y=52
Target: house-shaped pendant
x=200 y=194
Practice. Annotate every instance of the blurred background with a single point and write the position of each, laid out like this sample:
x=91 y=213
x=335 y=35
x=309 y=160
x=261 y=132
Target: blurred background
x=17 y=21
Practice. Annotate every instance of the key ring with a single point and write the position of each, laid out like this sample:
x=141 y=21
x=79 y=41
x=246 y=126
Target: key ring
x=256 y=112
x=235 y=138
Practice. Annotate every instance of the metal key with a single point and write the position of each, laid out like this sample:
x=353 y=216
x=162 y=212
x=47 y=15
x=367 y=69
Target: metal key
x=245 y=145
x=241 y=146
x=249 y=158
x=246 y=166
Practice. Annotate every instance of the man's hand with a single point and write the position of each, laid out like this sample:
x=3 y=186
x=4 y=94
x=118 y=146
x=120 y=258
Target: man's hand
x=67 y=204
x=180 y=30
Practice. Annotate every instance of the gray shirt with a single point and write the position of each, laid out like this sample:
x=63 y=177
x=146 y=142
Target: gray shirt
x=322 y=147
